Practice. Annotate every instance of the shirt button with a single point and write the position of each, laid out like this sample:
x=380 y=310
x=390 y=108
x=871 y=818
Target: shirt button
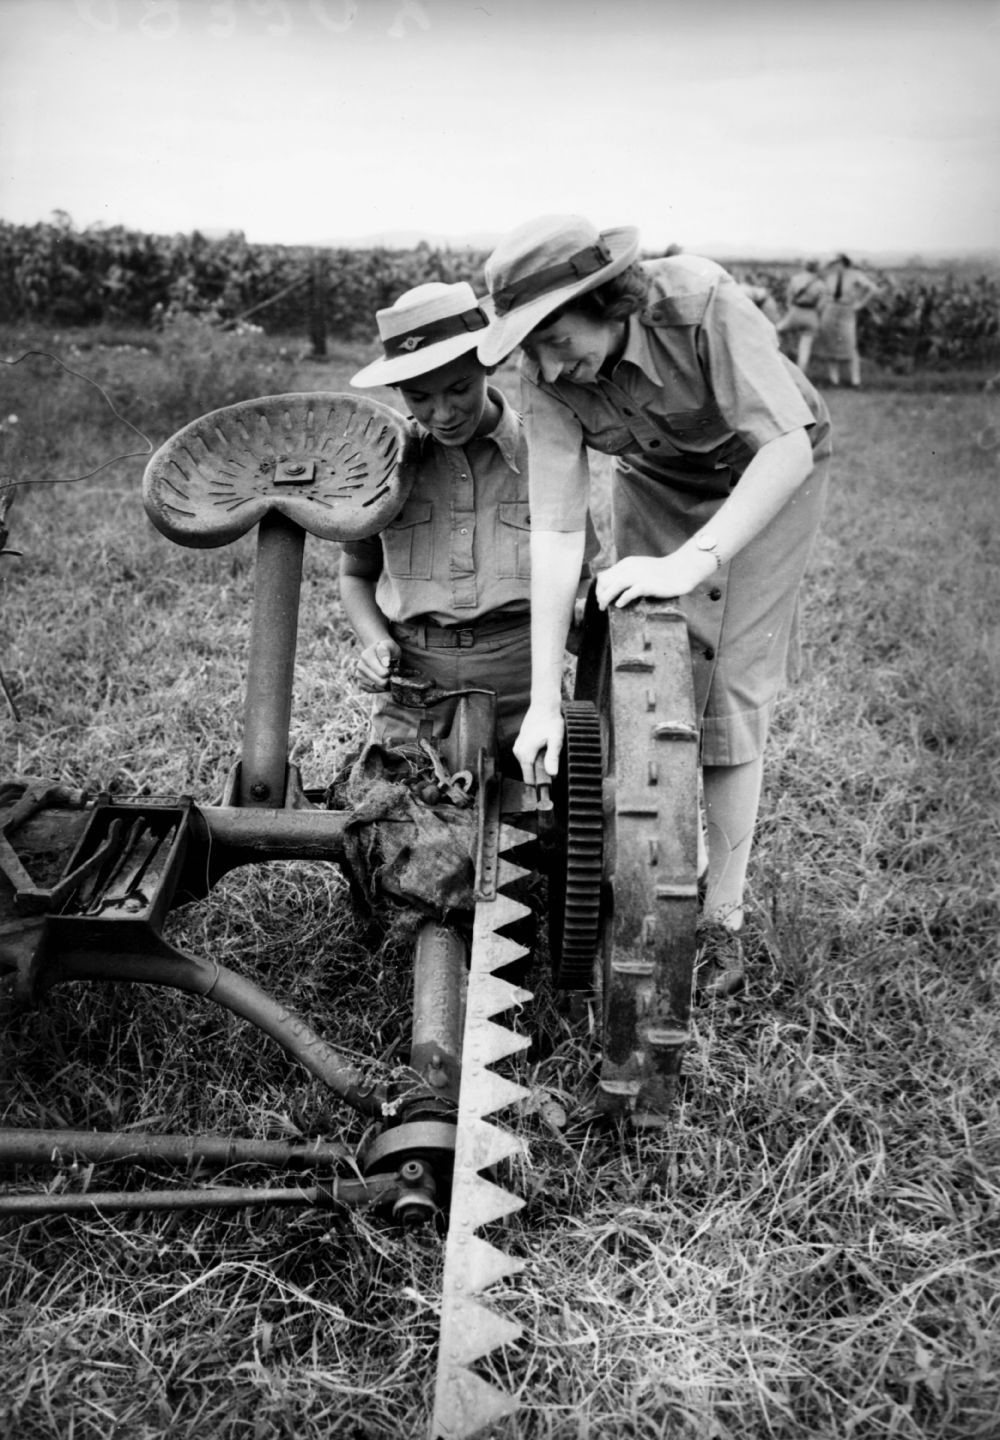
x=654 y=444
x=629 y=413
x=715 y=594
x=463 y=531
x=709 y=653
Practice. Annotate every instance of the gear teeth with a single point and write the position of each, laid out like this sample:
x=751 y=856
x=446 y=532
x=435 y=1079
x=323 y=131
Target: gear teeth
x=576 y=895
x=464 y=1403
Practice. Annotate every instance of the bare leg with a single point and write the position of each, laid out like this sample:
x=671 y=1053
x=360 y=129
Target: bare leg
x=855 y=364
x=732 y=799
x=805 y=350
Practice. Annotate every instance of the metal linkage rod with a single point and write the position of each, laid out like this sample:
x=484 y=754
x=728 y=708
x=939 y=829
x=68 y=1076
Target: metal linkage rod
x=43 y=1147
x=330 y=1193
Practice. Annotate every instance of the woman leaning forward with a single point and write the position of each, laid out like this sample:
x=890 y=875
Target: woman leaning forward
x=721 y=452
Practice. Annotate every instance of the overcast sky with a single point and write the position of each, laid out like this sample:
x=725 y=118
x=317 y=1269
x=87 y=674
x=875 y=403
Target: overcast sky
x=811 y=125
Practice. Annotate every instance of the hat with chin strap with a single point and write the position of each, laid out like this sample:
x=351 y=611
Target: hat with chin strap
x=541 y=266
x=427 y=327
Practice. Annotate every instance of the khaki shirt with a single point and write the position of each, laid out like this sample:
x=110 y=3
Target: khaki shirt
x=856 y=288
x=459 y=548
x=700 y=386
x=806 y=290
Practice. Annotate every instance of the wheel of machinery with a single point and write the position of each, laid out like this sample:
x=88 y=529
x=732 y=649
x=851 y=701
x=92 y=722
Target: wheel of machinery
x=576 y=880
x=634 y=668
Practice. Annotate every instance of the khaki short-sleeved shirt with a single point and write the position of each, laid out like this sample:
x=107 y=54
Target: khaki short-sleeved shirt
x=806 y=290
x=460 y=546
x=700 y=386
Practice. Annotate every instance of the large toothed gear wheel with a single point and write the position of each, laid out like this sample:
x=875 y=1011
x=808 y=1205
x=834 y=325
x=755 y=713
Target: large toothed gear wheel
x=576 y=882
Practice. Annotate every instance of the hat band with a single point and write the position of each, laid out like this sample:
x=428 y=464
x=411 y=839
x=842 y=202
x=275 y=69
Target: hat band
x=577 y=267
x=412 y=340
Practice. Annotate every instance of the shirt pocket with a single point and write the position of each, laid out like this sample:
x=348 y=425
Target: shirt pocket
x=513 y=537
x=610 y=439
x=409 y=542
x=693 y=427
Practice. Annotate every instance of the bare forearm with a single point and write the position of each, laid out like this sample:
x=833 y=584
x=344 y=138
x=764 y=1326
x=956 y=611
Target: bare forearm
x=769 y=481
x=556 y=560
x=357 y=594
x=767 y=484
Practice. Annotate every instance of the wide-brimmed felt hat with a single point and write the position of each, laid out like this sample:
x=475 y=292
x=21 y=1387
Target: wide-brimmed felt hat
x=427 y=327
x=541 y=266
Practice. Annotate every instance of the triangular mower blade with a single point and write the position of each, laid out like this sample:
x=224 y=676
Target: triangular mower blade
x=482 y=1145
x=484 y=1202
x=475 y=1331
x=494 y=996
x=466 y=1404
x=490 y=1092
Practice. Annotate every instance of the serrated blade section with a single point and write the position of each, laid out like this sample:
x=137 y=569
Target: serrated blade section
x=475 y=1403
x=464 y=1403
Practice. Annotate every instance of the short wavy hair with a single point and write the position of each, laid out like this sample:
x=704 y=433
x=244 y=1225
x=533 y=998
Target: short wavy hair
x=618 y=298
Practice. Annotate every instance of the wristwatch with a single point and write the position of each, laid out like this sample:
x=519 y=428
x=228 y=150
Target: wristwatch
x=706 y=541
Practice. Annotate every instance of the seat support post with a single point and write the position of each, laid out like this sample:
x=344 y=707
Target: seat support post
x=271 y=664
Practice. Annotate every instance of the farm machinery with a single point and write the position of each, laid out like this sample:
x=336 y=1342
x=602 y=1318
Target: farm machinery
x=86 y=880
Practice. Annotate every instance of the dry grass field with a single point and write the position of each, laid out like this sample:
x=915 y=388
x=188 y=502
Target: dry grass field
x=811 y=1252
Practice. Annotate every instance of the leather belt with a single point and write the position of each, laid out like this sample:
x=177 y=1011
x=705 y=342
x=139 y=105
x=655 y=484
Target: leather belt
x=428 y=635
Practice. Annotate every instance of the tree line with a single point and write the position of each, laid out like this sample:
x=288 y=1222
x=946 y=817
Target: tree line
x=56 y=274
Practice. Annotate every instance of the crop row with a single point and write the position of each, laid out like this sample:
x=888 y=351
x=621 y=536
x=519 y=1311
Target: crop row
x=54 y=273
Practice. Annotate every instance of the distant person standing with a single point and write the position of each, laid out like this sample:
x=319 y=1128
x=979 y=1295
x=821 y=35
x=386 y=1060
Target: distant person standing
x=848 y=292
x=804 y=298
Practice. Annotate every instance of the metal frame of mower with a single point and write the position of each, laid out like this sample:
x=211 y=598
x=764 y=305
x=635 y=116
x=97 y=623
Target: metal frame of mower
x=87 y=880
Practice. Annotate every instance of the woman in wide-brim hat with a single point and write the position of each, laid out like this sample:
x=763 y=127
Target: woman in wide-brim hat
x=717 y=486
x=442 y=591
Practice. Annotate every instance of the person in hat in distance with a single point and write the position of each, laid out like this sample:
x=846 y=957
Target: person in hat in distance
x=721 y=452
x=805 y=298
x=849 y=290
x=443 y=591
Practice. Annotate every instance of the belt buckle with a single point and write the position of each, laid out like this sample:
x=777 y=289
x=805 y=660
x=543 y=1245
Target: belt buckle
x=466 y=637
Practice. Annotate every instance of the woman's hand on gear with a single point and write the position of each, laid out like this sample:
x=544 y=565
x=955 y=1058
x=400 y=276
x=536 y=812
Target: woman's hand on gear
x=375 y=663
x=659 y=577
x=541 y=731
